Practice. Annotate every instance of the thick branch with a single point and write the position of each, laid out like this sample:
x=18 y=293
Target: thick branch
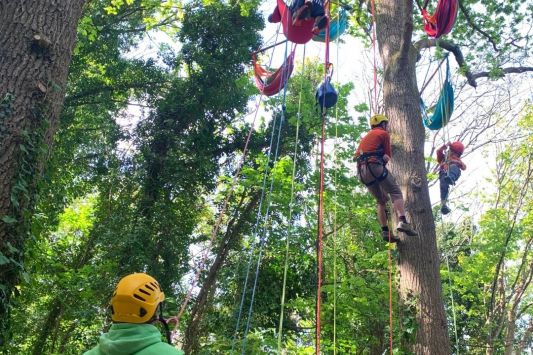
x=458 y=54
x=451 y=47
x=407 y=32
x=504 y=71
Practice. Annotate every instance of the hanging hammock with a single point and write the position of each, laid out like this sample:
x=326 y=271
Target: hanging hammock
x=337 y=26
x=300 y=32
x=270 y=83
x=444 y=108
x=442 y=21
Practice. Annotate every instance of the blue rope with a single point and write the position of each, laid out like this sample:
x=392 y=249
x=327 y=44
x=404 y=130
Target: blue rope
x=254 y=236
x=258 y=216
x=265 y=220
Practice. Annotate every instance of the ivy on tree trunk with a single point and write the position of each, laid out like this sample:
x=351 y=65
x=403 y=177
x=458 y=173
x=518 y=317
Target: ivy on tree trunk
x=36 y=42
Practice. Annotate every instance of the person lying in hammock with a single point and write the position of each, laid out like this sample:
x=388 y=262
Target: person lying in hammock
x=450 y=166
x=302 y=10
x=373 y=153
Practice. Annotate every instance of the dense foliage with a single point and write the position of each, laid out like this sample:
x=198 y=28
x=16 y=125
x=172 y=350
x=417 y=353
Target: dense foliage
x=116 y=199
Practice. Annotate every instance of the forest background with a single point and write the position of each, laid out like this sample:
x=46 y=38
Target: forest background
x=99 y=199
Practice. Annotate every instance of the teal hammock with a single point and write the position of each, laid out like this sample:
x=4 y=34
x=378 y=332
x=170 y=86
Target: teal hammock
x=444 y=108
x=337 y=26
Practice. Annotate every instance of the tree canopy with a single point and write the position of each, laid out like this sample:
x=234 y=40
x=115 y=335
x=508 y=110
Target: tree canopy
x=164 y=159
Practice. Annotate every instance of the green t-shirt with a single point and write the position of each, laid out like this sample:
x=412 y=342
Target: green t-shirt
x=129 y=339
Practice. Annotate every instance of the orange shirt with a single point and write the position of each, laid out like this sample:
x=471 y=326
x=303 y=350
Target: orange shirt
x=376 y=138
x=453 y=158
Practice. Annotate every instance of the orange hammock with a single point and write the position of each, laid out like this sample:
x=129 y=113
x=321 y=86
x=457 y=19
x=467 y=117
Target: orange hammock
x=270 y=83
x=442 y=21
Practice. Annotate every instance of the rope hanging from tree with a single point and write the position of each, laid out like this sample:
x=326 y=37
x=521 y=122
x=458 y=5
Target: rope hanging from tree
x=375 y=102
x=320 y=229
x=263 y=238
x=214 y=231
x=291 y=204
x=444 y=107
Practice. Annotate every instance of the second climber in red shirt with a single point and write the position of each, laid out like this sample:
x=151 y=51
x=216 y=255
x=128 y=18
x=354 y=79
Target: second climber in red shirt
x=373 y=154
x=450 y=166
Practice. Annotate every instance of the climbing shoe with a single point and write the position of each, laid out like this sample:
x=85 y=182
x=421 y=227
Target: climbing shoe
x=444 y=209
x=385 y=236
x=320 y=24
x=406 y=228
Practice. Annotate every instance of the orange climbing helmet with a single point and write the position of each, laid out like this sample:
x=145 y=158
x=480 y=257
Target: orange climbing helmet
x=136 y=298
x=377 y=119
x=457 y=147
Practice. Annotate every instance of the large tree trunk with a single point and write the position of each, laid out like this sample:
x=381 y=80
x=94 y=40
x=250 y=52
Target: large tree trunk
x=418 y=257
x=36 y=42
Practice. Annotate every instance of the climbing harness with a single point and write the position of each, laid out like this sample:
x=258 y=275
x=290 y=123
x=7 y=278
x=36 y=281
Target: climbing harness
x=364 y=159
x=442 y=21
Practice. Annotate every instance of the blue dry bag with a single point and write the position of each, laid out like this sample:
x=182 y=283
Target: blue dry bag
x=326 y=96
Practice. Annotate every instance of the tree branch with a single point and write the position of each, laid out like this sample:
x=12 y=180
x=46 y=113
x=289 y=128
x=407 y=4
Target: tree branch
x=451 y=47
x=476 y=27
x=509 y=70
x=405 y=44
x=458 y=54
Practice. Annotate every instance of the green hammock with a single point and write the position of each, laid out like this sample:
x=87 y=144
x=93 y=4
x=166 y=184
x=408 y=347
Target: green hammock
x=337 y=26
x=444 y=108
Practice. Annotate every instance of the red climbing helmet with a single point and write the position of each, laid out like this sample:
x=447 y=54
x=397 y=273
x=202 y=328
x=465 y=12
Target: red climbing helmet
x=457 y=147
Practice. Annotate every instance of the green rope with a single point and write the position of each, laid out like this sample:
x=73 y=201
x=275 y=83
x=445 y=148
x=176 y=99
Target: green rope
x=286 y=266
x=453 y=306
x=334 y=238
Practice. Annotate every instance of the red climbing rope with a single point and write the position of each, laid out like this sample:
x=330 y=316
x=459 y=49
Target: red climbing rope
x=321 y=202
x=442 y=21
x=390 y=294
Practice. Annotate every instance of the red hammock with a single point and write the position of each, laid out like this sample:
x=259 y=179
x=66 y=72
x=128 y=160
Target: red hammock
x=270 y=83
x=300 y=32
x=442 y=21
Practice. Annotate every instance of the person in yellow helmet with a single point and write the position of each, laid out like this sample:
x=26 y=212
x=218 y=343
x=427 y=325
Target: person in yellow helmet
x=134 y=306
x=372 y=156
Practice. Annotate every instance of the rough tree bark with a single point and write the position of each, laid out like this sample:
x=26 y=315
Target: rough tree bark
x=418 y=257
x=36 y=42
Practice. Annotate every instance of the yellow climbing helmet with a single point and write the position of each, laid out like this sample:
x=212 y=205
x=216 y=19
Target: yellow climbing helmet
x=136 y=298
x=377 y=119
